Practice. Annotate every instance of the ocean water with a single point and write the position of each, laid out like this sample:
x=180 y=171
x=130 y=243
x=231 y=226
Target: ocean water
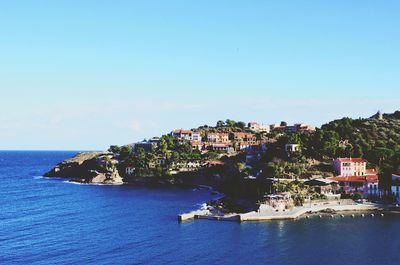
x=50 y=221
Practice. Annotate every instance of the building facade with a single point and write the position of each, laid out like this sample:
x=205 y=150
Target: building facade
x=218 y=137
x=256 y=127
x=350 y=166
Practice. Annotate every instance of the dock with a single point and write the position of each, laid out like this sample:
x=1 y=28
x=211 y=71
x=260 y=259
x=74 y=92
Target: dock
x=291 y=214
x=299 y=211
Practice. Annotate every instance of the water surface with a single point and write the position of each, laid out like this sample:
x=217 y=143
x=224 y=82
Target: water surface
x=47 y=221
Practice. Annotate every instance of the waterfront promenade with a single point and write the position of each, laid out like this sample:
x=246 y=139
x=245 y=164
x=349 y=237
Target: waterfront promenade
x=296 y=212
x=291 y=214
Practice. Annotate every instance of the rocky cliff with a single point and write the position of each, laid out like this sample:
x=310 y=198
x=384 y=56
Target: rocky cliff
x=88 y=167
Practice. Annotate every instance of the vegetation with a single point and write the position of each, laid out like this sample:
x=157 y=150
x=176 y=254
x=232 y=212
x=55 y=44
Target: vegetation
x=377 y=140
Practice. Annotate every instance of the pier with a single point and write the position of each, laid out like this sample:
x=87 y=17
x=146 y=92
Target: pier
x=269 y=215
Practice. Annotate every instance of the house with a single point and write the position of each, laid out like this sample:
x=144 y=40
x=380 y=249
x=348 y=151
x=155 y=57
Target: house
x=296 y=128
x=323 y=186
x=196 y=136
x=354 y=177
x=299 y=128
x=249 y=138
x=304 y=128
x=350 y=166
x=256 y=127
x=367 y=185
x=181 y=134
x=243 y=146
x=279 y=202
x=161 y=161
x=197 y=145
x=186 y=135
x=253 y=152
x=129 y=170
x=292 y=148
x=147 y=146
x=277 y=128
x=221 y=147
x=396 y=187
x=218 y=137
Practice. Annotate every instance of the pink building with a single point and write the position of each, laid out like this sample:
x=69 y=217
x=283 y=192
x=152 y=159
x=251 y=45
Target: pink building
x=350 y=166
x=354 y=177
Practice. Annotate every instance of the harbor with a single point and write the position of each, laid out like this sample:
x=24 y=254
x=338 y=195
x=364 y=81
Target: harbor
x=268 y=213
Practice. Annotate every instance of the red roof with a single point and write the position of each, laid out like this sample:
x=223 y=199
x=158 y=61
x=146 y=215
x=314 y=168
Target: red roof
x=354 y=160
x=194 y=143
x=371 y=171
x=218 y=133
x=359 y=179
x=182 y=131
x=246 y=134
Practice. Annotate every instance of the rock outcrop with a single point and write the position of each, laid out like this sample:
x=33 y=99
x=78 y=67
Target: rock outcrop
x=88 y=167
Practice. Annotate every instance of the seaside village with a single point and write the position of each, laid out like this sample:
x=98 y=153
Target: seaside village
x=351 y=180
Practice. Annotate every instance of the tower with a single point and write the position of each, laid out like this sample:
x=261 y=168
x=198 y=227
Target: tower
x=379 y=115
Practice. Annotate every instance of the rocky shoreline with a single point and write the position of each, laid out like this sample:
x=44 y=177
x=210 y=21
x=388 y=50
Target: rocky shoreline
x=87 y=167
x=102 y=168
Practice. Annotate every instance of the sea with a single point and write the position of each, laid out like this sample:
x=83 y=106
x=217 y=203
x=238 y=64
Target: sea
x=53 y=221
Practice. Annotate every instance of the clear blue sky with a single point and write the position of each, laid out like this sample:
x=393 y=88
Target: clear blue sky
x=87 y=74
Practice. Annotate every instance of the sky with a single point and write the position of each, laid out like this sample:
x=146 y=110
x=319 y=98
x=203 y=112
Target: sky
x=82 y=75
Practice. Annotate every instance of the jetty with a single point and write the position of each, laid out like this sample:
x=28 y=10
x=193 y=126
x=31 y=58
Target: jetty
x=269 y=213
x=297 y=212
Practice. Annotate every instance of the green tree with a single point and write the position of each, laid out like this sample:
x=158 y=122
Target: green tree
x=115 y=149
x=283 y=123
x=240 y=125
x=140 y=160
x=220 y=123
x=230 y=123
x=125 y=151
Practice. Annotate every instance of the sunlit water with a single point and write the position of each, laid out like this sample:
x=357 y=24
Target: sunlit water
x=47 y=221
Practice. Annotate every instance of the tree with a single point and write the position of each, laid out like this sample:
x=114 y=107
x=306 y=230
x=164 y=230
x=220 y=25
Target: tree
x=163 y=146
x=220 y=123
x=125 y=152
x=115 y=149
x=240 y=125
x=230 y=123
x=140 y=160
x=283 y=123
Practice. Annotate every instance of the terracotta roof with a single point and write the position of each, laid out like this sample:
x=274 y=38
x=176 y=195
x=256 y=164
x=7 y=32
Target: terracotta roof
x=217 y=133
x=354 y=160
x=182 y=131
x=371 y=171
x=244 y=134
x=358 y=179
x=215 y=162
x=221 y=144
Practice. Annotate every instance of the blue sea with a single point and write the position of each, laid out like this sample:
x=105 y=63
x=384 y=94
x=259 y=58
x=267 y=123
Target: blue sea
x=51 y=221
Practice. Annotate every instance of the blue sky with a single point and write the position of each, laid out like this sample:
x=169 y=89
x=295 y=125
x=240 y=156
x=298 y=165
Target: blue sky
x=82 y=75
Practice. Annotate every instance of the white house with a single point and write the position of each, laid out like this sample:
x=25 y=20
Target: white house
x=182 y=134
x=129 y=170
x=291 y=148
x=256 y=127
x=196 y=136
